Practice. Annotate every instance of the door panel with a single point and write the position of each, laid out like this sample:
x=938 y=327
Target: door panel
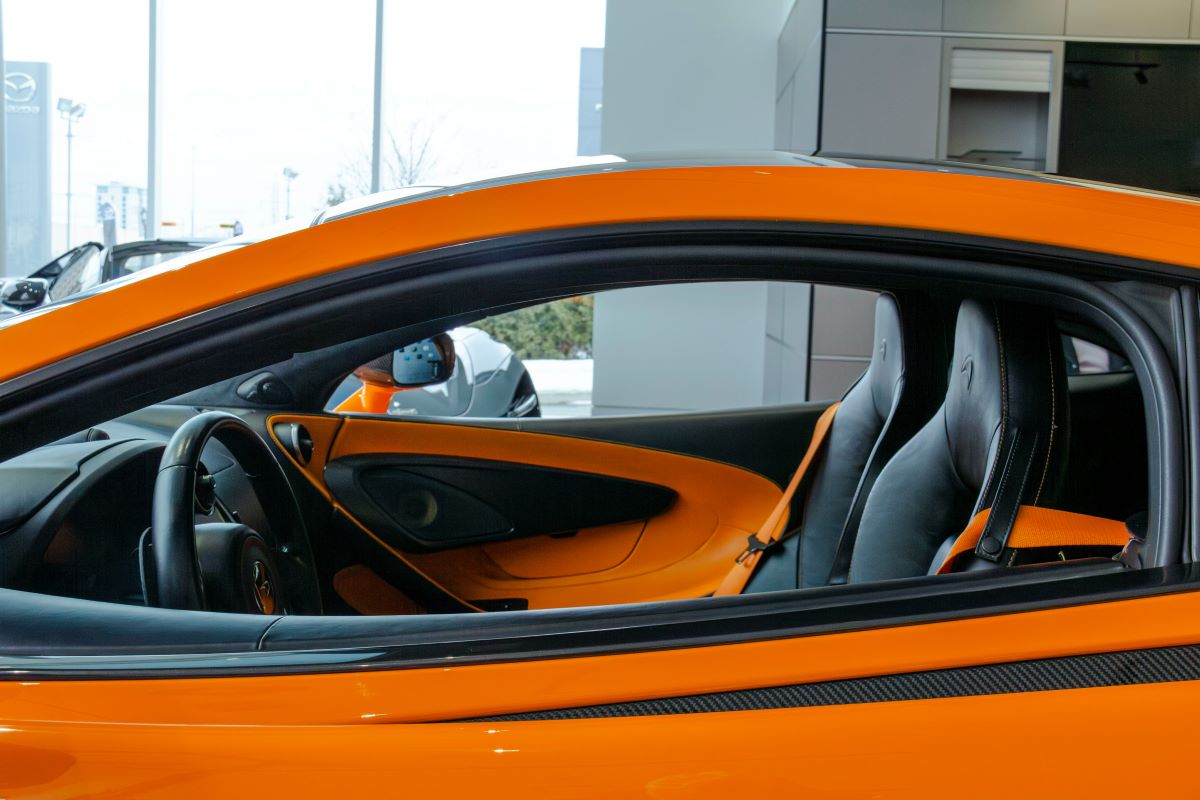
x=682 y=551
x=422 y=503
x=769 y=440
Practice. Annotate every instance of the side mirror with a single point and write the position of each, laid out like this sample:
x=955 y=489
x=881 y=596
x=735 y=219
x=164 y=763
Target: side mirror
x=427 y=362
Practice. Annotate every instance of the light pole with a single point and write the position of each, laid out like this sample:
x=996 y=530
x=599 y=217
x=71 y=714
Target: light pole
x=290 y=175
x=70 y=111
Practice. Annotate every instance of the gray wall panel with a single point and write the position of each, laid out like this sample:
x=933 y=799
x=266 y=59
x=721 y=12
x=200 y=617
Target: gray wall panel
x=882 y=94
x=829 y=379
x=918 y=15
x=1005 y=16
x=1168 y=19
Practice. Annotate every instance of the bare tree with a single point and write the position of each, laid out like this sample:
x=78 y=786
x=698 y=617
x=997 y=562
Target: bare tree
x=408 y=159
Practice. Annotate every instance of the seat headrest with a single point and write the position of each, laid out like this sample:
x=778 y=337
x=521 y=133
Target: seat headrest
x=1007 y=379
x=887 y=357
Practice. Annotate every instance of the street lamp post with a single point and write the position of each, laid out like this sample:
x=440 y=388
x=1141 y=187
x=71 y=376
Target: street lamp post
x=290 y=175
x=70 y=111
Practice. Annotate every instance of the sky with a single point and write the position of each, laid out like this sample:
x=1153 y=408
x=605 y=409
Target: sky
x=251 y=87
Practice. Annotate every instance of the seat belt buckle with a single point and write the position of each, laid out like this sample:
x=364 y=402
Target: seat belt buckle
x=753 y=545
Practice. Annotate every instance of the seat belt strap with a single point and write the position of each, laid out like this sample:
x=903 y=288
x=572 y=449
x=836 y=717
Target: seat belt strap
x=1042 y=527
x=769 y=532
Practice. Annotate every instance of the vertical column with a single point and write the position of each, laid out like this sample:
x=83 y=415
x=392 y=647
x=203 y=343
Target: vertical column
x=377 y=117
x=154 y=133
x=3 y=162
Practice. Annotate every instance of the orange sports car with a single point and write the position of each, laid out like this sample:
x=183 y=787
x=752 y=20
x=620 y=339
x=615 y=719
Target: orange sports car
x=972 y=575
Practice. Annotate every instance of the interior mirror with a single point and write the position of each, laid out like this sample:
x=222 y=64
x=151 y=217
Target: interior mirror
x=427 y=362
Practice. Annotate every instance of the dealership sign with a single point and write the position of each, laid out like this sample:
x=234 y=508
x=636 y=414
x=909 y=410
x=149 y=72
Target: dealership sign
x=27 y=171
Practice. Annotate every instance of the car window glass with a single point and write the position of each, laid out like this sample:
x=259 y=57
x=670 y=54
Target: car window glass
x=1087 y=358
x=648 y=350
x=136 y=263
x=82 y=273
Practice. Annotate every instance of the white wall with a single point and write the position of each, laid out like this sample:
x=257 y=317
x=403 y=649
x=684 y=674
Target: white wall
x=700 y=346
x=684 y=75
x=690 y=74
x=798 y=77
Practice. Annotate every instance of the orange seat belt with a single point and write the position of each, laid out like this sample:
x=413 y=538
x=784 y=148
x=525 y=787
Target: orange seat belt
x=1043 y=527
x=768 y=533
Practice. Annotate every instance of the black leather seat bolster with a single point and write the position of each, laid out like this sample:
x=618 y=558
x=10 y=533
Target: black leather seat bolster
x=1006 y=392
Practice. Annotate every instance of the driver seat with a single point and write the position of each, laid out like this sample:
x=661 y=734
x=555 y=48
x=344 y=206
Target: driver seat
x=997 y=442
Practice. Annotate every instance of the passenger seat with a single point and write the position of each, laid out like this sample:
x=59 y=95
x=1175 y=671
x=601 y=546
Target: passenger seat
x=998 y=441
x=900 y=388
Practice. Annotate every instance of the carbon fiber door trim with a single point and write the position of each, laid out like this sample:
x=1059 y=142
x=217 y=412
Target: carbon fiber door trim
x=1158 y=665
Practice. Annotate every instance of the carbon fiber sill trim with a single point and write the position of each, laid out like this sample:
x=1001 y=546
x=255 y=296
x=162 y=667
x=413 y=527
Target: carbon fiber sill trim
x=1159 y=665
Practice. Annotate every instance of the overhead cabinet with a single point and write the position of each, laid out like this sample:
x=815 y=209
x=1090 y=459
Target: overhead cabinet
x=999 y=103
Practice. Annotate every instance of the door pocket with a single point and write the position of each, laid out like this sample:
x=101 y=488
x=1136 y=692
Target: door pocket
x=421 y=503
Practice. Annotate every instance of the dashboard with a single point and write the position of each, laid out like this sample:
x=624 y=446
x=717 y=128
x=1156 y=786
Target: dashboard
x=75 y=516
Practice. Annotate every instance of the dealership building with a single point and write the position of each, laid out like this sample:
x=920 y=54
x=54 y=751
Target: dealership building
x=1099 y=89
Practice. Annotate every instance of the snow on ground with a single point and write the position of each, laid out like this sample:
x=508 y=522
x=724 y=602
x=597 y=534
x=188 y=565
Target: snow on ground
x=561 y=376
x=564 y=386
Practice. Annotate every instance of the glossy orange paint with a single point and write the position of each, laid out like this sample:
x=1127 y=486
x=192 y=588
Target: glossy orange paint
x=370 y=398
x=347 y=733
x=1121 y=223
x=454 y=691
x=356 y=731
x=877 y=751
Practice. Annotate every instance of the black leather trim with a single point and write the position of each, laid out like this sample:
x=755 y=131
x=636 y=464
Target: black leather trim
x=300 y=645
x=31 y=480
x=767 y=440
x=921 y=330
x=434 y=503
x=998 y=441
x=177 y=567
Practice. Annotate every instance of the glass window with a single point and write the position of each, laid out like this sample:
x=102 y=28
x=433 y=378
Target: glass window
x=76 y=93
x=262 y=104
x=1087 y=358
x=498 y=92
x=643 y=350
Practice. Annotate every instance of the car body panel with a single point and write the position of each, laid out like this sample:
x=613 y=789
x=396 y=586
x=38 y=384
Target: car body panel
x=657 y=757
x=449 y=691
x=1116 y=223
x=157 y=737
x=354 y=725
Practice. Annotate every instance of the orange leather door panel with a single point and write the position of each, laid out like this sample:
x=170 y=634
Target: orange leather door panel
x=681 y=553
x=601 y=549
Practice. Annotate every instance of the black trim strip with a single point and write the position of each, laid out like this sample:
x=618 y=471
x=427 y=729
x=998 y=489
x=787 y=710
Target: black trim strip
x=313 y=645
x=1127 y=668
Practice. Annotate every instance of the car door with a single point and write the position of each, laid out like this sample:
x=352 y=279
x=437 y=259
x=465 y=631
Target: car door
x=1064 y=679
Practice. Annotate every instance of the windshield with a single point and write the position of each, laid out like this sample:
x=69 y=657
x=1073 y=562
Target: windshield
x=83 y=272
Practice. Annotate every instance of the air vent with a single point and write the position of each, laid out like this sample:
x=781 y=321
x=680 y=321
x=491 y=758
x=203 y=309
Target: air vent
x=296 y=439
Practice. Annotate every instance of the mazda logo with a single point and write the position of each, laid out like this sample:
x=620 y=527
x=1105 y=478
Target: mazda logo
x=19 y=87
x=264 y=592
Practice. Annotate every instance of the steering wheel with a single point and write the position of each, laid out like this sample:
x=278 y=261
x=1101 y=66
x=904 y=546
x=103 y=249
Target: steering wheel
x=228 y=566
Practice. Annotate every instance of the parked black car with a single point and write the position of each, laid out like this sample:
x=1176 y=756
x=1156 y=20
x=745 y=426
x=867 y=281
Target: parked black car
x=85 y=266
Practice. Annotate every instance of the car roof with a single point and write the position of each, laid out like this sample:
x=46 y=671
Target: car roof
x=916 y=199
x=719 y=158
